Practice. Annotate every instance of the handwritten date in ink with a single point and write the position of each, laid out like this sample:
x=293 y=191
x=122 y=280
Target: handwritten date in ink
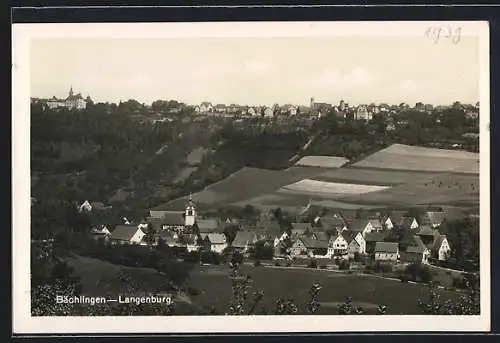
x=437 y=33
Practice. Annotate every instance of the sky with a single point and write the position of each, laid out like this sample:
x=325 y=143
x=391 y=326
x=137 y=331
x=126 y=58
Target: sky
x=251 y=71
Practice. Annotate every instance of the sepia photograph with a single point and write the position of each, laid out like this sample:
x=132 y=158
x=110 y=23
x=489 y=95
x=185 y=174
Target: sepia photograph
x=266 y=172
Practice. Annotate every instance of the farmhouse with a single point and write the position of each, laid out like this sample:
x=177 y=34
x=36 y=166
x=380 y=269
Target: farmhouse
x=432 y=218
x=393 y=219
x=305 y=246
x=300 y=229
x=408 y=224
x=346 y=243
x=440 y=248
x=218 y=242
x=376 y=224
x=207 y=225
x=372 y=238
x=127 y=234
x=100 y=232
x=386 y=251
x=413 y=250
x=437 y=243
x=244 y=240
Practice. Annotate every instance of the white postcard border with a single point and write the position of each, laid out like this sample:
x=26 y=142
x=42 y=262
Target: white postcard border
x=23 y=323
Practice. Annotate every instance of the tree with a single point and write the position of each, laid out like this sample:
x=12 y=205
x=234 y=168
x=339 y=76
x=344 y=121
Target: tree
x=261 y=251
x=150 y=235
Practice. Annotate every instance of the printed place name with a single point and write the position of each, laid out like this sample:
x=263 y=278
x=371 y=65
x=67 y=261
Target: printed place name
x=136 y=300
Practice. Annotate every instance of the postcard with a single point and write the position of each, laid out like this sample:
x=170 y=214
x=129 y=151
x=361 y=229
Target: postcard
x=254 y=175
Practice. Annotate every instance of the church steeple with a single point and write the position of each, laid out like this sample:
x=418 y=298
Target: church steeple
x=190 y=214
x=71 y=91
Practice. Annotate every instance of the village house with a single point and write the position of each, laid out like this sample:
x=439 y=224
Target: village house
x=346 y=243
x=376 y=224
x=220 y=108
x=362 y=113
x=372 y=238
x=268 y=112
x=408 y=224
x=88 y=206
x=217 y=241
x=412 y=249
x=386 y=251
x=207 y=225
x=127 y=234
x=363 y=226
x=436 y=242
x=306 y=246
x=100 y=232
x=205 y=107
x=393 y=219
x=244 y=240
x=433 y=218
x=299 y=230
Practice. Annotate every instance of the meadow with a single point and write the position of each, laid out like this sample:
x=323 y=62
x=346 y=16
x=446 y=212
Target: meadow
x=399 y=175
x=405 y=157
x=244 y=184
x=365 y=290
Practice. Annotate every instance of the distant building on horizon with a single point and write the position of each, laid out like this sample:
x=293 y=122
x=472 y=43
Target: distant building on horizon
x=72 y=102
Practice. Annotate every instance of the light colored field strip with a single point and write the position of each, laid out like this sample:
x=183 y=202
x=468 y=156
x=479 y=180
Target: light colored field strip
x=322 y=161
x=314 y=186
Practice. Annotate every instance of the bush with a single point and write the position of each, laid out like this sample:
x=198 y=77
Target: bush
x=403 y=278
x=257 y=263
x=322 y=266
x=344 y=265
x=382 y=267
x=192 y=291
x=418 y=272
x=210 y=257
x=312 y=264
x=277 y=264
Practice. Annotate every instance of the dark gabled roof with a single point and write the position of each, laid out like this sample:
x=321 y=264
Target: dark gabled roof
x=405 y=224
x=124 y=232
x=349 y=235
x=157 y=223
x=376 y=236
x=387 y=247
x=207 y=225
x=433 y=217
x=425 y=230
x=243 y=238
x=320 y=235
x=311 y=243
x=173 y=218
x=358 y=224
x=99 y=205
x=397 y=216
x=300 y=228
x=332 y=222
x=436 y=244
x=349 y=215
